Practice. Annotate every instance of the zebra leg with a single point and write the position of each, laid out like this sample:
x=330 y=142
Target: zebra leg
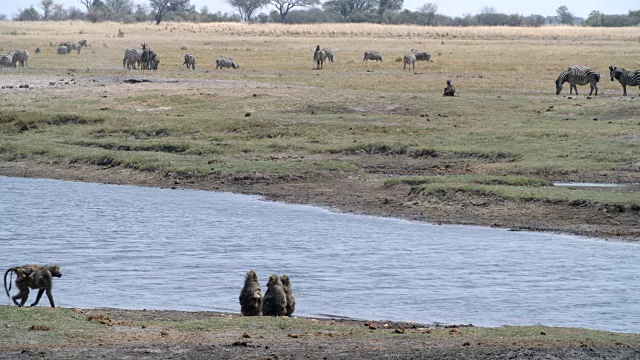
x=624 y=87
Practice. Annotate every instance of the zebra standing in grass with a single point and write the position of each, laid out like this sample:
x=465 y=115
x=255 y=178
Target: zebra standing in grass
x=68 y=45
x=318 y=58
x=226 y=63
x=421 y=56
x=148 y=59
x=372 y=55
x=82 y=43
x=578 y=75
x=328 y=54
x=6 y=61
x=20 y=56
x=631 y=78
x=410 y=59
x=62 y=50
x=189 y=61
x=131 y=58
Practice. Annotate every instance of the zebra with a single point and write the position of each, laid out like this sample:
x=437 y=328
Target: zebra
x=421 y=56
x=631 y=78
x=6 y=61
x=131 y=58
x=68 y=45
x=62 y=50
x=318 y=58
x=328 y=54
x=189 y=61
x=578 y=75
x=449 y=90
x=20 y=56
x=410 y=59
x=147 y=59
x=372 y=55
x=226 y=63
x=82 y=43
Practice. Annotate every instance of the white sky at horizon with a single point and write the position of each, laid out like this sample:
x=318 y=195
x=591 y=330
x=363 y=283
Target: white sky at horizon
x=580 y=8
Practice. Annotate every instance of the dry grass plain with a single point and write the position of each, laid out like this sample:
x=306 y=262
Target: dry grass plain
x=357 y=136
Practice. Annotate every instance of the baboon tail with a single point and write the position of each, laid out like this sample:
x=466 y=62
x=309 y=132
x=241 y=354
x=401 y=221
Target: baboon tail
x=7 y=289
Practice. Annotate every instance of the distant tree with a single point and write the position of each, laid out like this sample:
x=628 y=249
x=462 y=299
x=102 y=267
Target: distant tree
x=485 y=15
x=564 y=15
x=389 y=5
x=98 y=11
x=635 y=13
x=141 y=13
x=595 y=19
x=30 y=14
x=73 y=13
x=533 y=21
x=160 y=8
x=246 y=8
x=118 y=8
x=87 y=4
x=46 y=6
x=59 y=13
x=348 y=7
x=429 y=10
x=3 y=17
x=284 y=6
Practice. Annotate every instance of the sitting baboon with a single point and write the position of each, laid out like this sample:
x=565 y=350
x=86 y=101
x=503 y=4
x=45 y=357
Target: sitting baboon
x=291 y=301
x=34 y=277
x=449 y=90
x=274 y=302
x=250 y=295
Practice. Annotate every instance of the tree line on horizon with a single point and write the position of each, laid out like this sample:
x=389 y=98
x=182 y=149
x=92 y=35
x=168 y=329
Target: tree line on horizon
x=307 y=11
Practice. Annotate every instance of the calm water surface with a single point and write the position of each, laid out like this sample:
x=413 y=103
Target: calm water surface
x=134 y=247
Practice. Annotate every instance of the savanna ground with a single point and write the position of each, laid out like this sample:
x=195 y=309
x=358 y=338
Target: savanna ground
x=360 y=137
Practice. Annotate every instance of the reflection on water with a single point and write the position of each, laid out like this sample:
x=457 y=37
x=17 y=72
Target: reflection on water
x=133 y=247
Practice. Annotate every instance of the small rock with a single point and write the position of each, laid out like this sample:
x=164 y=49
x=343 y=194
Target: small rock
x=246 y=336
x=595 y=119
x=247 y=114
x=294 y=336
x=466 y=343
x=398 y=331
x=164 y=333
x=542 y=332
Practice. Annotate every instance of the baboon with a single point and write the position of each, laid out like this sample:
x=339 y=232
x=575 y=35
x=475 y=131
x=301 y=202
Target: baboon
x=449 y=90
x=291 y=301
x=274 y=302
x=35 y=277
x=250 y=295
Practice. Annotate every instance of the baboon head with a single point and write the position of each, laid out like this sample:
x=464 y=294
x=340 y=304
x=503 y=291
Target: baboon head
x=274 y=280
x=54 y=269
x=285 y=280
x=251 y=277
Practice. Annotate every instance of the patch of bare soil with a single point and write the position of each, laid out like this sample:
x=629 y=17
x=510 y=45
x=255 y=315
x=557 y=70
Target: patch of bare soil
x=367 y=194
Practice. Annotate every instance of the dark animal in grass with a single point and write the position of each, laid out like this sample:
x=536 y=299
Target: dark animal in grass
x=449 y=90
x=251 y=295
x=291 y=300
x=274 y=302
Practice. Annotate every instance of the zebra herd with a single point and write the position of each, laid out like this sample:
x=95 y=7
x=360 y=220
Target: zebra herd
x=15 y=57
x=583 y=75
x=67 y=47
x=143 y=58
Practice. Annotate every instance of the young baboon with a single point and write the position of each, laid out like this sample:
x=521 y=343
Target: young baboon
x=274 y=302
x=449 y=90
x=251 y=295
x=34 y=277
x=291 y=301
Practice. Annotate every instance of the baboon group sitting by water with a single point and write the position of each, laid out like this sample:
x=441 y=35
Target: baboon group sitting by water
x=277 y=301
x=32 y=276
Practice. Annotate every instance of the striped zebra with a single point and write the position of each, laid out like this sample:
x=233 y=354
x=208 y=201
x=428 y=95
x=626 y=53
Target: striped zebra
x=131 y=58
x=68 y=45
x=62 y=50
x=578 y=75
x=631 y=78
x=328 y=54
x=372 y=55
x=189 y=61
x=410 y=59
x=82 y=43
x=318 y=58
x=6 y=61
x=421 y=56
x=148 y=60
x=226 y=63
x=20 y=56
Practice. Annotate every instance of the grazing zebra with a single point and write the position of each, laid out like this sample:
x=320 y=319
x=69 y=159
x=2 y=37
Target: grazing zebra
x=6 y=61
x=631 y=78
x=62 y=50
x=20 y=56
x=410 y=59
x=131 y=58
x=189 y=61
x=318 y=58
x=372 y=55
x=449 y=90
x=328 y=54
x=226 y=63
x=148 y=59
x=82 y=43
x=578 y=75
x=421 y=56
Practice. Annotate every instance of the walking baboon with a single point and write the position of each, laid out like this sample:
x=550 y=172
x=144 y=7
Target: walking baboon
x=35 y=277
x=274 y=302
x=291 y=301
x=250 y=295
